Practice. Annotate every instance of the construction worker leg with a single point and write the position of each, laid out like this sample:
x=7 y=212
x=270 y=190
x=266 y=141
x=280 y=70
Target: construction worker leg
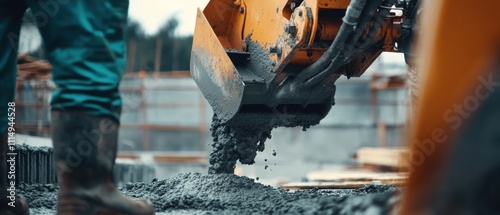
x=10 y=23
x=84 y=44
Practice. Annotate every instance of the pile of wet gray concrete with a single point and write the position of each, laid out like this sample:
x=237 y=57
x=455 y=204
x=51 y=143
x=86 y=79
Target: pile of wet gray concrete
x=195 y=193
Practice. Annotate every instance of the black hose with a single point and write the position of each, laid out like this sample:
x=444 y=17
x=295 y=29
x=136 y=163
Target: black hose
x=368 y=14
x=408 y=25
x=343 y=54
x=377 y=24
x=343 y=57
x=348 y=26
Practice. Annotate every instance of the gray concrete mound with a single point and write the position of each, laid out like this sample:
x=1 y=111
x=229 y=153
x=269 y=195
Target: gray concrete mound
x=195 y=193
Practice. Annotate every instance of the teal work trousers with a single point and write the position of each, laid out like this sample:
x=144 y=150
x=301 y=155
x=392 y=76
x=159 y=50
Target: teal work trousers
x=84 y=42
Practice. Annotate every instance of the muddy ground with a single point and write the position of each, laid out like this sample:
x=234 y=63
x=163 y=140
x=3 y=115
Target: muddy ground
x=195 y=193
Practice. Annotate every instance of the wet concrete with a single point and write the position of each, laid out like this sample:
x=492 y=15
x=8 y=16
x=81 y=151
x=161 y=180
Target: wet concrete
x=231 y=144
x=260 y=62
x=195 y=193
x=241 y=143
x=244 y=134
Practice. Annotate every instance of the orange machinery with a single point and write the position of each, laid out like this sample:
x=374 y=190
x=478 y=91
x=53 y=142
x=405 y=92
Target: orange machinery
x=263 y=64
x=257 y=59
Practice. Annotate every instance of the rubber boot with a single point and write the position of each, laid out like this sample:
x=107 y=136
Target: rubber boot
x=85 y=151
x=20 y=205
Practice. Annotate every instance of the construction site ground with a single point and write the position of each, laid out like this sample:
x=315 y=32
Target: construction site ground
x=195 y=193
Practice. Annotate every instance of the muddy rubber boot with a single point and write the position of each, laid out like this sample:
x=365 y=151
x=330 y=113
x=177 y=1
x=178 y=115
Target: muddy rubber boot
x=85 y=151
x=20 y=205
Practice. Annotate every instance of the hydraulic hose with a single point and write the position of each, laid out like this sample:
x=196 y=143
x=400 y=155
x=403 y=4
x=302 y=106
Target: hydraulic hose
x=343 y=57
x=377 y=24
x=348 y=26
x=367 y=16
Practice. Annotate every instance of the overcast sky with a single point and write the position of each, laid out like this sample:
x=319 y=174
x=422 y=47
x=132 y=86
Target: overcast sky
x=153 y=13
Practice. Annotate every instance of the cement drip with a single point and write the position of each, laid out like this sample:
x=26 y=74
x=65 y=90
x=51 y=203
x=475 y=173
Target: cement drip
x=231 y=144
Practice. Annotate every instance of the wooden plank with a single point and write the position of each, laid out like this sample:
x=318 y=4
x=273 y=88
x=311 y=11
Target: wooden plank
x=180 y=159
x=332 y=185
x=356 y=175
x=389 y=157
x=128 y=156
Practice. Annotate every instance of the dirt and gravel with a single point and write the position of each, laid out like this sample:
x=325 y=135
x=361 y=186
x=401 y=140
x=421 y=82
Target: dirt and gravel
x=195 y=193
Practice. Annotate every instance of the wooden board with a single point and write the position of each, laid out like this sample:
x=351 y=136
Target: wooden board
x=331 y=185
x=356 y=176
x=388 y=157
